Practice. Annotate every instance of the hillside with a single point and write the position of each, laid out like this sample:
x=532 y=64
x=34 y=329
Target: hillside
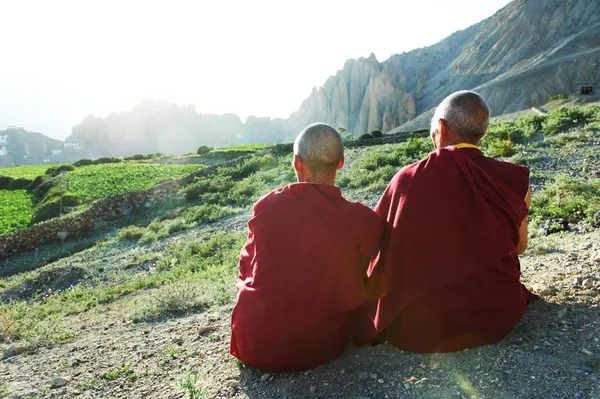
x=23 y=147
x=140 y=308
x=517 y=58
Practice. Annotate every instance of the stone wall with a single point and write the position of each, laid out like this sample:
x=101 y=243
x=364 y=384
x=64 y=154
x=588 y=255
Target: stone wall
x=80 y=223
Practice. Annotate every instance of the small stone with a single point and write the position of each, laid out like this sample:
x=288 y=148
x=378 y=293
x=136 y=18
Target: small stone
x=542 y=289
x=596 y=257
x=406 y=386
x=313 y=389
x=381 y=381
x=573 y=255
x=587 y=369
x=587 y=283
x=577 y=281
x=59 y=382
x=584 y=246
x=363 y=375
x=147 y=205
x=561 y=313
x=13 y=350
x=62 y=235
x=586 y=352
x=374 y=376
x=265 y=377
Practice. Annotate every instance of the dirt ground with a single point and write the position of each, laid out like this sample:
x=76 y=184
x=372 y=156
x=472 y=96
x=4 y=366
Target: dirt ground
x=554 y=352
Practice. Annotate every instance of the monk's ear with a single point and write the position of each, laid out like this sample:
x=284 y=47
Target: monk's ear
x=298 y=164
x=443 y=131
x=340 y=164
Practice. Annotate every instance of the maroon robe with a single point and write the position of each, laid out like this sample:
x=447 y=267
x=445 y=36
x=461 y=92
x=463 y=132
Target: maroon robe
x=449 y=278
x=301 y=277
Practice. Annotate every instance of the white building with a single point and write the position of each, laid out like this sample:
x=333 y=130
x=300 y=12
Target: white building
x=57 y=152
x=3 y=139
x=74 y=146
x=3 y=151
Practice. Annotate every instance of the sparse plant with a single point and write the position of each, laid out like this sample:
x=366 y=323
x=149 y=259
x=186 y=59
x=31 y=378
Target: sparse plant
x=125 y=371
x=189 y=385
x=5 y=389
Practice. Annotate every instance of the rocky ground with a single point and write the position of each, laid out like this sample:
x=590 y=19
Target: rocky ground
x=554 y=352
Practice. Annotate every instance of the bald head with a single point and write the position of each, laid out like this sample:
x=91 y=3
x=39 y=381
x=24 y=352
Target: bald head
x=320 y=147
x=466 y=115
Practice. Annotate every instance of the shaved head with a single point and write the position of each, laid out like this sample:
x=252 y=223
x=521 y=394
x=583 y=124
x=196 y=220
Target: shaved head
x=320 y=147
x=466 y=114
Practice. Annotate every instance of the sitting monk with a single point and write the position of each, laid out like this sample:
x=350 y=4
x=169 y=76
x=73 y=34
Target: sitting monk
x=449 y=276
x=302 y=270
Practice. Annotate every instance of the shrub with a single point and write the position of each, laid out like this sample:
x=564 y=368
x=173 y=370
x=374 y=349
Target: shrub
x=20 y=184
x=44 y=187
x=500 y=148
x=555 y=97
x=36 y=182
x=563 y=118
x=205 y=185
x=53 y=205
x=250 y=167
x=207 y=213
x=376 y=133
x=104 y=160
x=50 y=171
x=365 y=136
x=5 y=182
x=568 y=198
x=60 y=169
x=83 y=162
x=138 y=157
x=204 y=149
x=131 y=233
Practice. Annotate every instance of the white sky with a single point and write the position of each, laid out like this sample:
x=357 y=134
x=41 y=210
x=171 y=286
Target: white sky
x=62 y=60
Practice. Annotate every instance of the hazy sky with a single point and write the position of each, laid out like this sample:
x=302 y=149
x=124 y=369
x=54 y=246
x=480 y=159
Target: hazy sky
x=62 y=60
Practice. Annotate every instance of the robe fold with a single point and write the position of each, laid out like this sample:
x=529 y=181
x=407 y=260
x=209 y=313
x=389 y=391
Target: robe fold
x=300 y=277
x=448 y=277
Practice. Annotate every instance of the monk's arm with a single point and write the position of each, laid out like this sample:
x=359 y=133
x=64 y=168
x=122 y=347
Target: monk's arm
x=523 y=230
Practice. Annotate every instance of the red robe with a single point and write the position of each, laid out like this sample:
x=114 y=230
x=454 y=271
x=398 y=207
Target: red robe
x=301 y=277
x=448 y=278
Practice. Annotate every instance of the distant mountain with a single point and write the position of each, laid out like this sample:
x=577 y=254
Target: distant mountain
x=18 y=147
x=523 y=54
x=156 y=126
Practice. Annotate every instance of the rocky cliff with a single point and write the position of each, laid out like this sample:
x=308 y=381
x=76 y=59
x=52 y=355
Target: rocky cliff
x=517 y=58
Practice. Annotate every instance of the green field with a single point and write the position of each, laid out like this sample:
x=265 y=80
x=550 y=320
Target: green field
x=245 y=147
x=26 y=171
x=16 y=208
x=99 y=181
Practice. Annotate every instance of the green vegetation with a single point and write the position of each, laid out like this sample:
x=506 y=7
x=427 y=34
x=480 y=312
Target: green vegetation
x=207 y=265
x=188 y=385
x=16 y=208
x=5 y=389
x=125 y=371
x=566 y=197
x=26 y=171
x=99 y=181
x=555 y=97
x=377 y=165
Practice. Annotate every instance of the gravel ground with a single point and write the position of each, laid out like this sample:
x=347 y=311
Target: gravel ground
x=554 y=352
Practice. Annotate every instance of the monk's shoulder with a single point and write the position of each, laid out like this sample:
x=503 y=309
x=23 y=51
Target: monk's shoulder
x=407 y=172
x=271 y=200
x=512 y=174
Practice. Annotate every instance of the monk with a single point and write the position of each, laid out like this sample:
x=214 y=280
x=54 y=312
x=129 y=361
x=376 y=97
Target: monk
x=302 y=270
x=449 y=276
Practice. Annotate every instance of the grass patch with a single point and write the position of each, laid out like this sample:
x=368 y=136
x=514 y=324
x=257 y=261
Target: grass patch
x=16 y=209
x=188 y=385
x=568 y=198
x=172 y=300
x=26 y=171
x=99 y=181
x=210 y=264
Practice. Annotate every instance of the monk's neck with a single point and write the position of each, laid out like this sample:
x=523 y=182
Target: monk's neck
x=327 y=180
x=451 y=143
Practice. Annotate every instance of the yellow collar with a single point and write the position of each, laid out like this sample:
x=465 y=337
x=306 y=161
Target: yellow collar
x=466 y=145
